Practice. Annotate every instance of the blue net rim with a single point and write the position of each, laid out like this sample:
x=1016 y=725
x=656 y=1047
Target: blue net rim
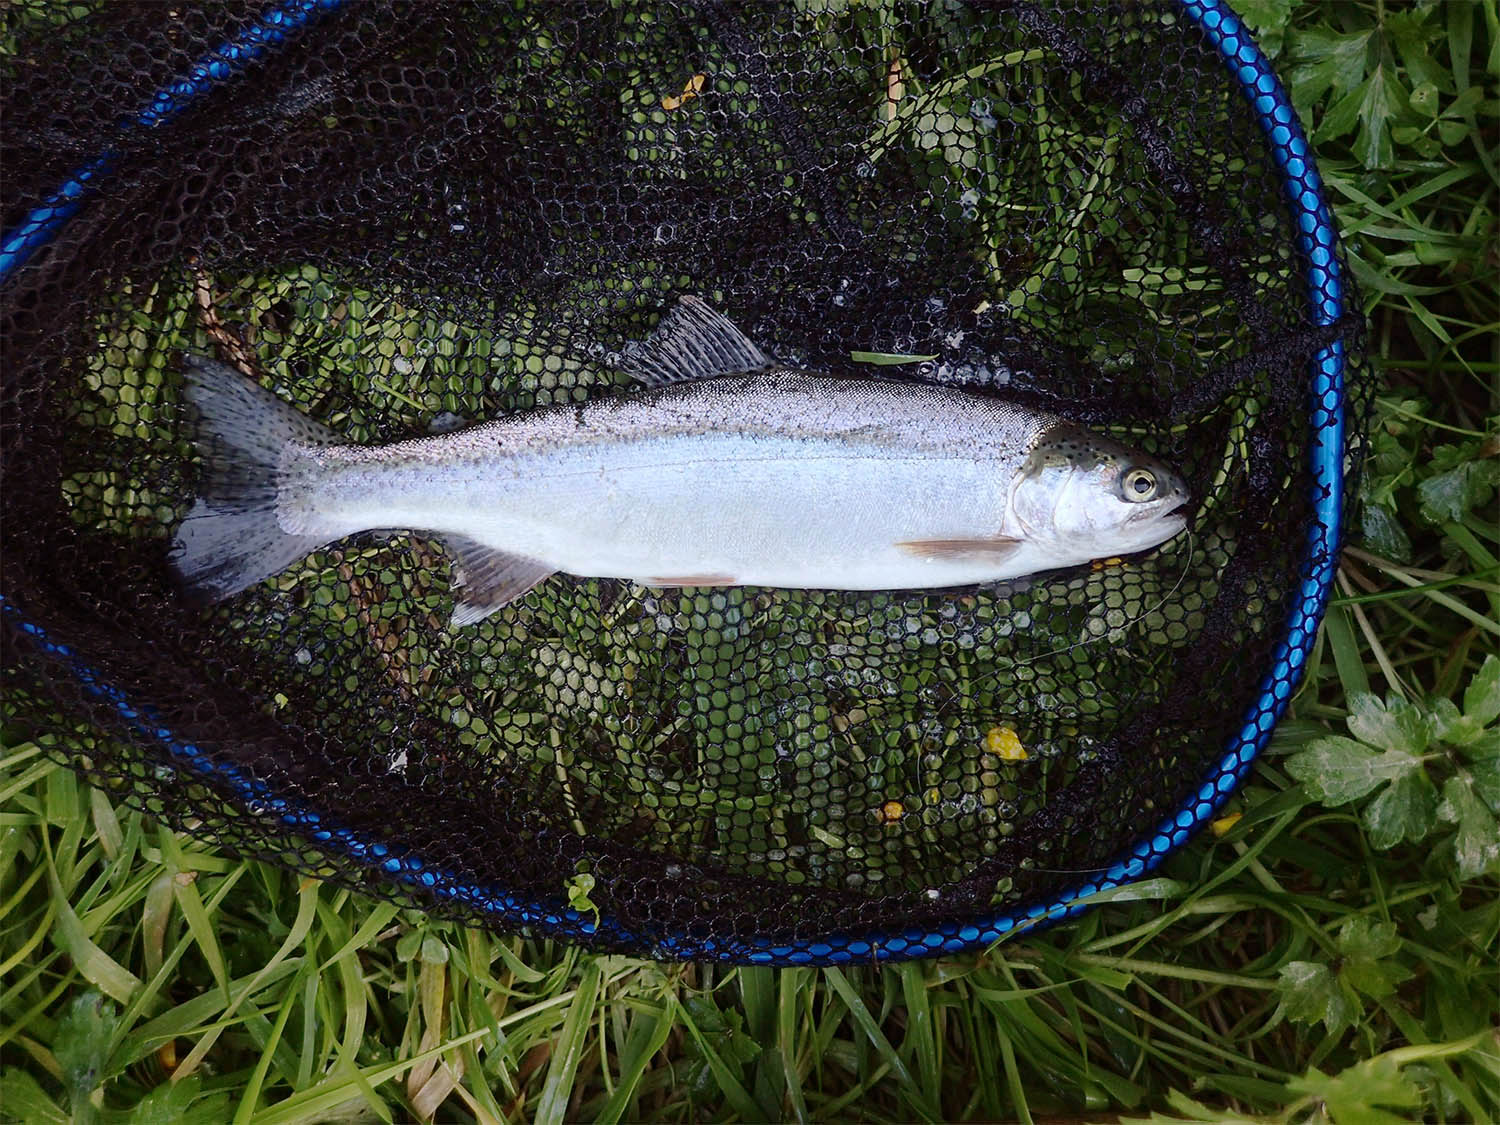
x=1227 y=33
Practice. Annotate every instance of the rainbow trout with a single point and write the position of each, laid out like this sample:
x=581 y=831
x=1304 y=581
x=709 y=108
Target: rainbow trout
x=727 y=469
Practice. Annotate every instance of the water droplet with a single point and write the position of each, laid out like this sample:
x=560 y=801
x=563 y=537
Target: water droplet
x=839 y=299
x=458 y=228
x=665 y=232
x=304 y=655
x=936 y=304
x=865 y=170
x=970 y=198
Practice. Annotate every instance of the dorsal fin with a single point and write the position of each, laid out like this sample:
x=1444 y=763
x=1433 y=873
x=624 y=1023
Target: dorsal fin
x=693 y=341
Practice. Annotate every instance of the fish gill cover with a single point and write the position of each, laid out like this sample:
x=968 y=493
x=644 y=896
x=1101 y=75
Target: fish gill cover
x=402 y=216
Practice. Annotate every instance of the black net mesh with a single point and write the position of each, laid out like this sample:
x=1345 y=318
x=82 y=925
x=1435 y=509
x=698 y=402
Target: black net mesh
x=396 y=214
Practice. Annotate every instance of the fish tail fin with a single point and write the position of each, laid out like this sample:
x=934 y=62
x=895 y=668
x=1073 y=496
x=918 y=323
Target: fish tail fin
x=233 y=537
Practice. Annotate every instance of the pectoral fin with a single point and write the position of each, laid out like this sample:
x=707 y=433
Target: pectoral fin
x=691 y=342
x=487 y=579
x=994 y=548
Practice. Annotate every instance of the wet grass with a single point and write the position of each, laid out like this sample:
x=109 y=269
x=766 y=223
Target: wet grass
x=1322 y=954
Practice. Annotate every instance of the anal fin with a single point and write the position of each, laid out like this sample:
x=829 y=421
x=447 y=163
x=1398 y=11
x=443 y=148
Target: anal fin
x=691 y=580
x=995 y=548
x=486 y=579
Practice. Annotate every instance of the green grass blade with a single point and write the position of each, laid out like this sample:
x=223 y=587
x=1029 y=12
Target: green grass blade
x=557 y=1091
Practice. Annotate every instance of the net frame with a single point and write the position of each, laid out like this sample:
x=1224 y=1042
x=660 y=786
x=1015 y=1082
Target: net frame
x=1327 y=407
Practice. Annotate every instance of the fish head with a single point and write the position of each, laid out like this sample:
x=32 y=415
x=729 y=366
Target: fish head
x=1093 y=497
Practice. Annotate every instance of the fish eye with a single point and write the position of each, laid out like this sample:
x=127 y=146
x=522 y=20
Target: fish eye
x=1139 y=484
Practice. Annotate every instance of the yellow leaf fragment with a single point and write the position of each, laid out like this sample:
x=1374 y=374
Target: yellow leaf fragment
x=891 y=812
x=690 y=91
x=1223 y=824
x=1005 y=744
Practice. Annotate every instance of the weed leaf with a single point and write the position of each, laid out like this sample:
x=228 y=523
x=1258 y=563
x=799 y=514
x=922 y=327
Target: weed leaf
x=1268 y=19
x=1391 y=725
x=1482 y=696
x=1352 y=1096
x=82 y=1048
x=1405 y=810
x=1483 y=759
x=1476 y=844
x=1311 y=993
x=1338 y=770
x=23 y=1099
x=1448 y=495
x=178 y=1103
x=1383 y=533
x=1366 y=950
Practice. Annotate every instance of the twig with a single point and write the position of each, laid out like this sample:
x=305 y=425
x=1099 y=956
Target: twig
x=229 y=343
x=895 y=88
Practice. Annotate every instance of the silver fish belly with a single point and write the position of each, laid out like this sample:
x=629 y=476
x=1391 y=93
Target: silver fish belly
x=776 y=479
x=726 y=470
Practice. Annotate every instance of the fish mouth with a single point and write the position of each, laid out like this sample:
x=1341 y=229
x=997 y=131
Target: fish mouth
x=1175 y=512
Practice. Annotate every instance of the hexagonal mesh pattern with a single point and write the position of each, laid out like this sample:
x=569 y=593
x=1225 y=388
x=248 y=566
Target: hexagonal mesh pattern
x=394 y=215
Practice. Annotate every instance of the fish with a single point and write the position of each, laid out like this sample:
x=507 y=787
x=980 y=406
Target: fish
x=722 y=468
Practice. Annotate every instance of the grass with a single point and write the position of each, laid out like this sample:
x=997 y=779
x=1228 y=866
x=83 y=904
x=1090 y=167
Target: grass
x=1328 y=951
